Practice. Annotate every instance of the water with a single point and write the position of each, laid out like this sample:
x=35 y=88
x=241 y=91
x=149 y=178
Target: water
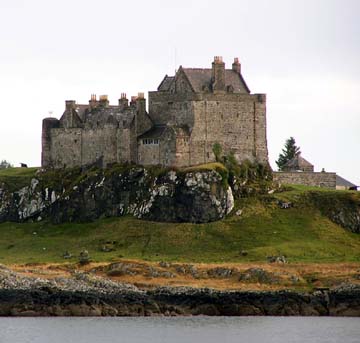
x=184 y=330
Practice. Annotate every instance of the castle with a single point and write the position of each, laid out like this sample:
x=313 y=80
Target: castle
x=187 y=115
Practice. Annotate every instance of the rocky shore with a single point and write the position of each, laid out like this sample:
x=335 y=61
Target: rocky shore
x=87 y=295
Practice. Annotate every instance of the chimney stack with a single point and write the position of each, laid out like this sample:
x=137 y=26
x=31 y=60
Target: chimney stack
x=92 y=101
x=123 y=102
x=141 y=103
x=103 y=100
x=70 y=104
x=218 y=74
x=236 y=66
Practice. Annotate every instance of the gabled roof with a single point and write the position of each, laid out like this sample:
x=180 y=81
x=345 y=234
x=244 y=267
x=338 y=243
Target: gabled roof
x=165 y=83
x=340 y=181
x=200 y=77
x=298 y=162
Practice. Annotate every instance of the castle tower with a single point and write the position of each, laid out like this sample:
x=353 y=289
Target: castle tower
x=47 y=125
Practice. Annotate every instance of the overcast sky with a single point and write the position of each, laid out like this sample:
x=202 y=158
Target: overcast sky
x=304 y=54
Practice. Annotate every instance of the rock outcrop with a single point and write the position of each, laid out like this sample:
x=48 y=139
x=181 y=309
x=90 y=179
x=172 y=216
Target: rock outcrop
x=87 y=295
x=169 y=196
x=342 y=209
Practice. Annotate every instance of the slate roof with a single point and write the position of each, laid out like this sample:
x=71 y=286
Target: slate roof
x=155 y=132
x=340 y=181
x=298 y=162
x=165 y=83
x=200 y=77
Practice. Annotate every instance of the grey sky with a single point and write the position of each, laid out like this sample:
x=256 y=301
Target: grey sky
x=304 y=54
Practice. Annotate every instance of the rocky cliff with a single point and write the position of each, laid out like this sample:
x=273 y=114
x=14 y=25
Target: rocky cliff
x=197 y=195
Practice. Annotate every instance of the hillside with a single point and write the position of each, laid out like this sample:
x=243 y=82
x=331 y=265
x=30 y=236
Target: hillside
x=257 y=227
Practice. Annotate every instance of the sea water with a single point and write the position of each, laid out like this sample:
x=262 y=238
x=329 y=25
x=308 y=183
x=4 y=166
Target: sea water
x=180 y=329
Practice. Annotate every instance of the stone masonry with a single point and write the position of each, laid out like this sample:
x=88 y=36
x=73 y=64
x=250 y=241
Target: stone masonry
x=316 y=179
x=188 y=114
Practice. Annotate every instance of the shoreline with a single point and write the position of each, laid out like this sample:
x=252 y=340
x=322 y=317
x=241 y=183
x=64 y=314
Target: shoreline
x=179 y=302
x=86 y=294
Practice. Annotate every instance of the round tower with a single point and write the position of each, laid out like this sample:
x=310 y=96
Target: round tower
x=47 y=125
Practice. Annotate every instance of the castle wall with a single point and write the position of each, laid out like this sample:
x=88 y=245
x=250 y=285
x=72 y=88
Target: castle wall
x=66 y=147
x=164 y=153
x=317 y=179
x=149 y=154
x=182 y=153
x=123 y=145
x=261 y=150
x=47 y=125
x=168 y=148
x=172 y=109
x=237 y=122
x=99 y=143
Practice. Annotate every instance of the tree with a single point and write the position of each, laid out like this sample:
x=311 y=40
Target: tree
x=217 y=150
x=5 y=164
x=288 y=153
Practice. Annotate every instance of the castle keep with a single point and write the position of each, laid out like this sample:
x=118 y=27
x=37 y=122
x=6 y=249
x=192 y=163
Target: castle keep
x=186 y=116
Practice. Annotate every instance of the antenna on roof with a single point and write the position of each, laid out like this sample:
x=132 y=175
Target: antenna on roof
x=50 y=113
x=175 y=55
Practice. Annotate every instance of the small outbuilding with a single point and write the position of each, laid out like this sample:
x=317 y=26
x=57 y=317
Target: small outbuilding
x=343 y=184
x=298 y=163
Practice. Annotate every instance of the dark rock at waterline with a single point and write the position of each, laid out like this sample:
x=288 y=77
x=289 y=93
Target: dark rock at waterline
x=173 y=301
x=84 y=294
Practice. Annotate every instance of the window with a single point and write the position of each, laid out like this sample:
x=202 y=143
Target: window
x=152 y=141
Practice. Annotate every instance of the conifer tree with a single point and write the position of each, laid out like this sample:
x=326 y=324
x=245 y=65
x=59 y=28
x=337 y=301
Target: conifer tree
x=5 y=164
x=288 y=153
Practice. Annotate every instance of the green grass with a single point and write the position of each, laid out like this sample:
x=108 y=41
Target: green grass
x=301 y=234
x=16 y=178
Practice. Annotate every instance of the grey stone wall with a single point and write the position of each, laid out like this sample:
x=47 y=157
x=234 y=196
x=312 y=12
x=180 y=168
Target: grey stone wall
x=99 y=143
x=236 y=121
x=66 y=147
x=148 y=154
x=172 y=109
x=317 y=179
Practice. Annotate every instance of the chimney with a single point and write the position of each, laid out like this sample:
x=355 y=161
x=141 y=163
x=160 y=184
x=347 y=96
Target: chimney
x=218 y=74
x=236 y=66
x=70 y=104
x=123 y=102
x=133 y=101
x=92 y=101
x=103 y=100
x=141 y=103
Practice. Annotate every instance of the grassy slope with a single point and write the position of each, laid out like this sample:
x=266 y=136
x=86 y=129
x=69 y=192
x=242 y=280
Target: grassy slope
x=300 y=233
x=16 y=178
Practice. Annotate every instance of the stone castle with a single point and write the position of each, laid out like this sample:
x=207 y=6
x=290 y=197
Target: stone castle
x=186 y=116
